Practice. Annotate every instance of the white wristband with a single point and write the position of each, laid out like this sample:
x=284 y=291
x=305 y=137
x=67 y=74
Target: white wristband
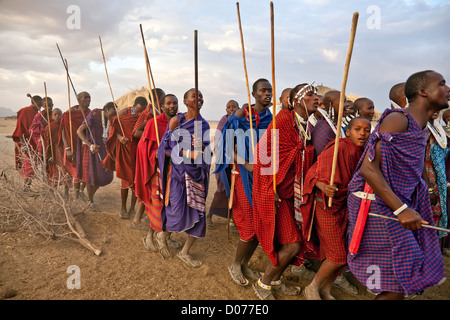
x=401 y=209
x=188 y=153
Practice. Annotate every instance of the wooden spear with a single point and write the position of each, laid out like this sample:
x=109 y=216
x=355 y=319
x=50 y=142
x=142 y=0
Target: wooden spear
x=110 y=89
x=246 y=79
x=423 y=225
x=230 y=200
x=274 y=105
x=149 y=72
x=342 y=99
x=147 y=64
x=196 y=81
x=48 y=122
x=70 y=112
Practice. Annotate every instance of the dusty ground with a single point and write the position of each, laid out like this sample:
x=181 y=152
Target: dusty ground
x=32 y=268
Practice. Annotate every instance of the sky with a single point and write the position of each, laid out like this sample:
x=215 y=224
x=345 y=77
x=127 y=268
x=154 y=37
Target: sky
x=394 y=39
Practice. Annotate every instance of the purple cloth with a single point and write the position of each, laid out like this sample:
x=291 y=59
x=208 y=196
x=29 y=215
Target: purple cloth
x=178 y=216
x=321 y=135
x=89 y=165
x=391 y=258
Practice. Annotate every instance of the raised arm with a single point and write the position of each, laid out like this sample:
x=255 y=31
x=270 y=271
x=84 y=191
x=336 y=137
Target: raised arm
x=371 y=171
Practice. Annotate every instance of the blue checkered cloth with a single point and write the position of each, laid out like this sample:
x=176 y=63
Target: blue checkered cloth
x=391 y=258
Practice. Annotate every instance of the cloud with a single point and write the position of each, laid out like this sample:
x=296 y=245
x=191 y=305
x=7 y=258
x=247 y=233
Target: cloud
x=330 y=54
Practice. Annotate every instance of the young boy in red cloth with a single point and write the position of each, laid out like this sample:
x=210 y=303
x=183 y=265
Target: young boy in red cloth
x=330 y=223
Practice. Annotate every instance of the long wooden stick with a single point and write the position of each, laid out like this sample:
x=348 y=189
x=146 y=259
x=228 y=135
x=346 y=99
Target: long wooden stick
x=246 y=79
x=149 y=72
x=196 y=82
x=342 y=98
x=110 y=89
x=48 y=122
x=423 y=225
x=196 y=71
x=312 y=220
x=147 y=63
x=230 y=200
x=70 y=112
x=274 y=105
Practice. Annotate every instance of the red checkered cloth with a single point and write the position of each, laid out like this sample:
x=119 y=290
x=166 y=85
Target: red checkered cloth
x=154 y=206
x=58 y=154
x=75 y=120
x=242 y=211
x=122 y=155
x=291 y=160
x=25 y=117
x=330 y=223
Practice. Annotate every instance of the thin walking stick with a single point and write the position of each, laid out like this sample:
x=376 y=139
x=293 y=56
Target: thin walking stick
x=70 y=112
x=342 y=99
x=110 y=89
x=48 y=122
x=246 y=79
x=230 y=201
x=423 y=225
x=147 y=64
x=274 y=105
x=196 y=77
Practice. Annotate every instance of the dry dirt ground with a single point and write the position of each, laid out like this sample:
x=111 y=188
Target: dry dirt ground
x=32 y=268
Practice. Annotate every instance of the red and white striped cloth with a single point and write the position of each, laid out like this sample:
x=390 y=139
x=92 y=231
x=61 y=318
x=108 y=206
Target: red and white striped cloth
x=195 y=194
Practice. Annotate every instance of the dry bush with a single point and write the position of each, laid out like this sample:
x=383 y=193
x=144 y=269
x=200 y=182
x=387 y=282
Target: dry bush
x=41 y=208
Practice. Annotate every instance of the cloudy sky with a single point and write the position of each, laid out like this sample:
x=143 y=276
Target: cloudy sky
x=394 y=39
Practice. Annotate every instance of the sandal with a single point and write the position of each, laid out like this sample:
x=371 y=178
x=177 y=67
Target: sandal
x=280 y=287
x=263 y=291
x=252 y=274
x=123 y=214
x=174 y=244
x=93 y=207
x=238 y=278
x=188 y=260
x=150 y=247
x=138 y=226
x=162 y=244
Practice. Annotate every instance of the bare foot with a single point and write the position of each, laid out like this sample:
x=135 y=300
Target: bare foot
x=162 y=244
x=311 y=293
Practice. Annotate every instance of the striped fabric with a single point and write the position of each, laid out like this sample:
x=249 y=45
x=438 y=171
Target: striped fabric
x=154 y=207
x=85 y=163
x=391 y=258
x=298 y=199
x=195 y=194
